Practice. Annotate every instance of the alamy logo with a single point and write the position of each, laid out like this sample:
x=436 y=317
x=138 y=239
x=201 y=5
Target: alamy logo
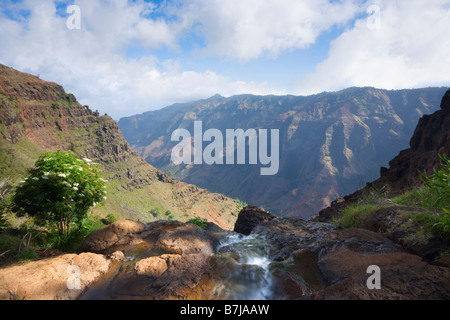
x=73 y=22
x=74 y=280
x=216 y=152
x=374 y=281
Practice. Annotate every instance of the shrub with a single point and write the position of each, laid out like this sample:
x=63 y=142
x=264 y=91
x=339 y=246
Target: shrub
x=60 y=190
x=110 y=218
x=199 y=222
x=437 y=194
x=438 y=186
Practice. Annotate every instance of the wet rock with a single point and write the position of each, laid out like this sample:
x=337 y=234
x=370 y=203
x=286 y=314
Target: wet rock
x=117 y=256
x=47 y=279
x=115 y=233
x=165 y=261
x=298 y=276
x=250 y=217
x=187 y=239
x=403 y=276
x=340 y=257
x=182 y=274
x=152 y=267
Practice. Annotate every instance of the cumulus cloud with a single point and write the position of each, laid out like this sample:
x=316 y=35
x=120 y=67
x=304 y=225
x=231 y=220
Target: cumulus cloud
x=133 y=56
x=410 y=48
x=253 y=28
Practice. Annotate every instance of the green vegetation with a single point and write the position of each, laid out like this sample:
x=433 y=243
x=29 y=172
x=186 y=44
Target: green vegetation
x=199 y=222
x=50 y=207
x=353 y=215
x=437 y=193
x=22 y=240
x=60 y=190
x=240 y=205
x=110 y=218
x=425 y=210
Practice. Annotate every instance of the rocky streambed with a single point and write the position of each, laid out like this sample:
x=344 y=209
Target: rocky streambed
x=269 y=258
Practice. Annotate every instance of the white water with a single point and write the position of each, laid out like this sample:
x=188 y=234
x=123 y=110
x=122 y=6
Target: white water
x=251 y=279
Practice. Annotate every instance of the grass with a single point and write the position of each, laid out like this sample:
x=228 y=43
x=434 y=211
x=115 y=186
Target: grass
x=353 y=215
x=422 y=226
x=412 y=198
x=14 y=248
x=416 y=219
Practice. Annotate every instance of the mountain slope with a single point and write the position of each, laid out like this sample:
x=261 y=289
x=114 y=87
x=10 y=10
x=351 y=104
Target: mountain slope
x=330 y=143
x=38 y=116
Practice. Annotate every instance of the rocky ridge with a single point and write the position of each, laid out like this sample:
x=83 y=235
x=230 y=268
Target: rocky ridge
x=38 y=116
x=331 y=144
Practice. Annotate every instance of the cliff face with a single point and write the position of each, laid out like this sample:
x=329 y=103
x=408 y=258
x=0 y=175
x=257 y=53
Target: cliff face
x=38 y=116
x=331 y=144
x=431 y=138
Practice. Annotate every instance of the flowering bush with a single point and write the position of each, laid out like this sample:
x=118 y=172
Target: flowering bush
x=60 y=190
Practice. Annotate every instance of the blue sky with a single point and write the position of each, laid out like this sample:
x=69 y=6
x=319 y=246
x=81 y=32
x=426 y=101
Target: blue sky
x=129 y=57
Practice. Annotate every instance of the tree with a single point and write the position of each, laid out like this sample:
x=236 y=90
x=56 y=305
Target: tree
x=60 y=189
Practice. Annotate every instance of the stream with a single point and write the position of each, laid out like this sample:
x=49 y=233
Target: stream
x=241 y=272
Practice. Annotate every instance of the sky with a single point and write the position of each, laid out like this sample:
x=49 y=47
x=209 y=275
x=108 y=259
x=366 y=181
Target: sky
x=126 y=57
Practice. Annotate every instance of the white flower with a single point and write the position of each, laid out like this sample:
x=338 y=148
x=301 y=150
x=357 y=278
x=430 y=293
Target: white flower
x=76 y=184
x=75 y=188
x=66 y=184
x=81 y=169
x=22 y=181
x=45 y=177
x=87 y=160
x=62 y=175
x=104 y=198
x=35 y=178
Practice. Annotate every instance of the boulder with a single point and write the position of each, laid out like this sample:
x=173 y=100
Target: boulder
x=250 y=217
x=152 y=267
x=117 y=256
x=319 y=261
x=61 y=278
x=403 y=276
x=116 y=233
x=187 y=239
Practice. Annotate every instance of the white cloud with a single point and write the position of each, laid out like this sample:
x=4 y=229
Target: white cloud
x=92 y=62
x=411 y=49
x=253 y=28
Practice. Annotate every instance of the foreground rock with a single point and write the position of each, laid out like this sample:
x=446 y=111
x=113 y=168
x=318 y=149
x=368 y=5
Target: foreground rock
x=319 y=261
x=165 y=259
x=118 y=232
x=53 y=278
x=250 y=217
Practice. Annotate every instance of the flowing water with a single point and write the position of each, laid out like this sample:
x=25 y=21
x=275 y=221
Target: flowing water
x=248 y=276
x=240 y=272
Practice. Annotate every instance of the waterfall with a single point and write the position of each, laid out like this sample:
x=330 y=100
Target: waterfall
x=247 y=276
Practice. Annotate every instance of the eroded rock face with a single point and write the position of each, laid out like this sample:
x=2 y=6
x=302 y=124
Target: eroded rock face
x=48 y=279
